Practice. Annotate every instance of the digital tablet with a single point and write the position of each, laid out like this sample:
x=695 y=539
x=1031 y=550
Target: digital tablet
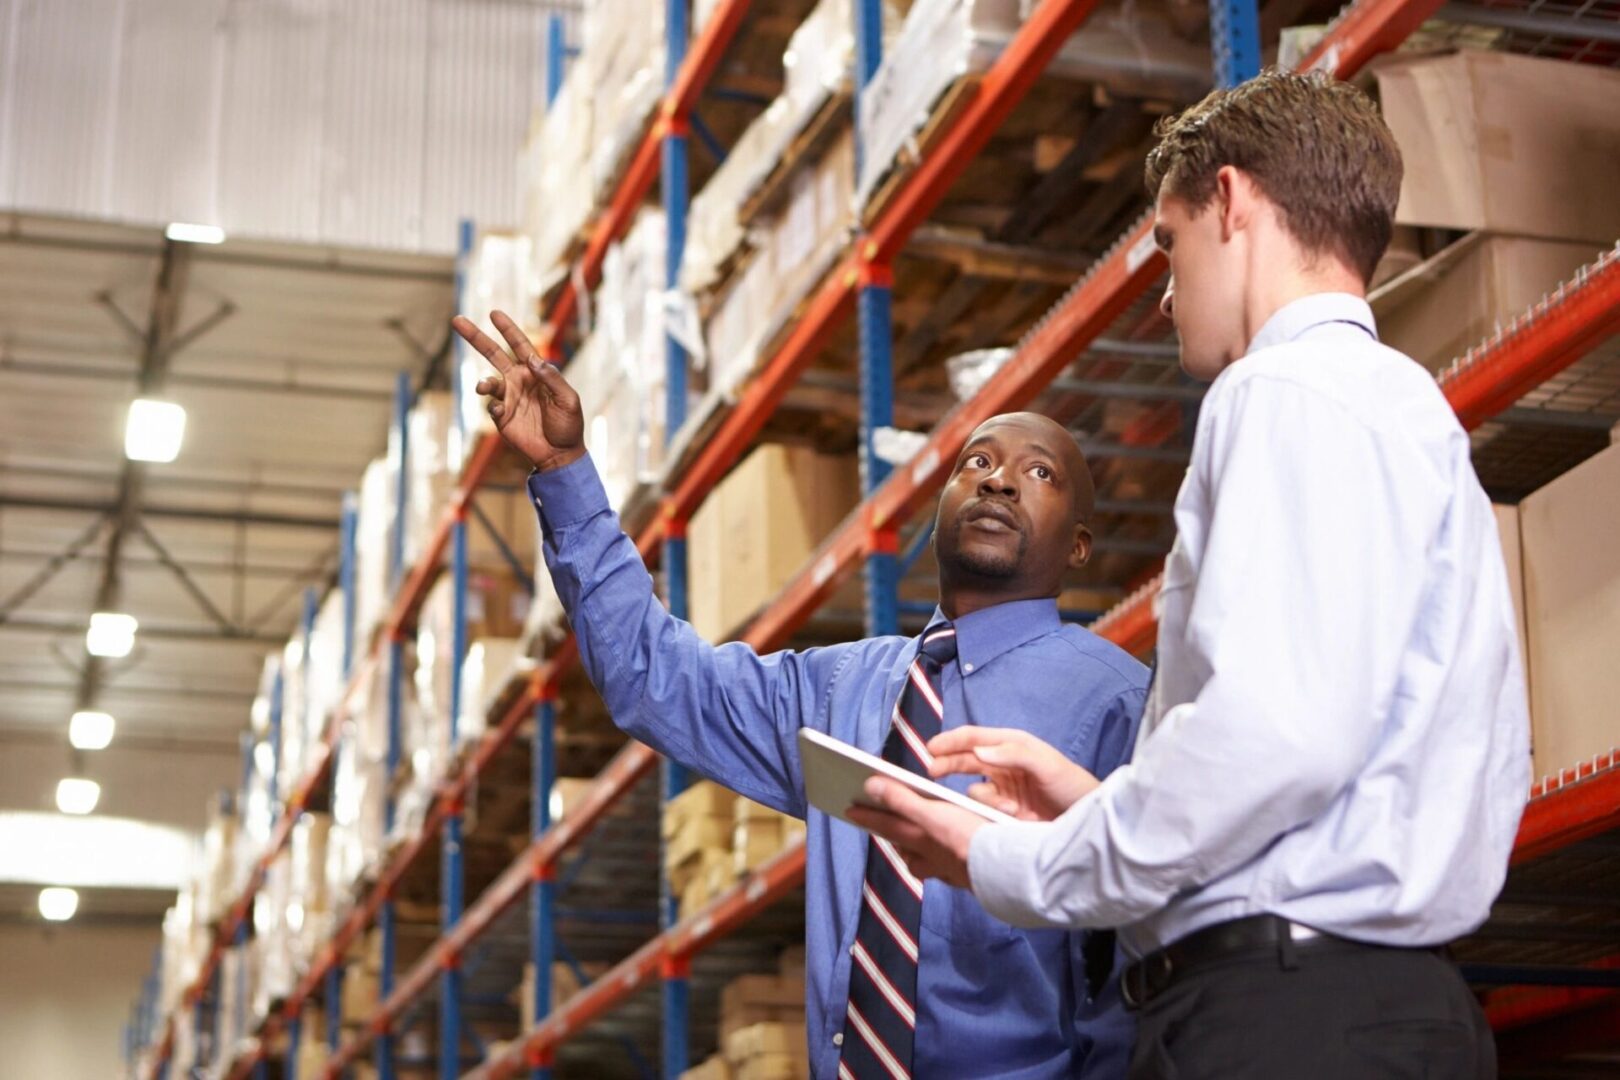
x=835 y=775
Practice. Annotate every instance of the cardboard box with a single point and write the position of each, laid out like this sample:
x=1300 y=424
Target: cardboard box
x=769 y=1038
x=564 y=985
x=697 y=836
x=511 y=515
x=716 y=1068
x=1513 y=144
x=1439 y=309
x=790 y=965
x=703 y=799
x=775 y=1067
x=359 y=996
x=759 y=527
x=761 y=991
x=1572 y=612
x=1507 y=526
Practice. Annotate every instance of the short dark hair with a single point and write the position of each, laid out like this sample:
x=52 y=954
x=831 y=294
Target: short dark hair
x=1315 y=146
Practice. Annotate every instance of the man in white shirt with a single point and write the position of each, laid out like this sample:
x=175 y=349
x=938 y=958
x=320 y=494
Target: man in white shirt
x=1335 y=753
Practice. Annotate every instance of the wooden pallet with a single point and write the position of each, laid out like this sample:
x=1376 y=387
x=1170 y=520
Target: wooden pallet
x=943 y=117
x=825 y=124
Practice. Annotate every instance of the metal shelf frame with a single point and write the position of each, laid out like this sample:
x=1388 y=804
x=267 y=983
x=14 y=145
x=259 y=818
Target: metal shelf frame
x=1485 y=382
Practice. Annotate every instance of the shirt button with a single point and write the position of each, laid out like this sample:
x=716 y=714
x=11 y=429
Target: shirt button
x=838 y=1039
x=967 y=669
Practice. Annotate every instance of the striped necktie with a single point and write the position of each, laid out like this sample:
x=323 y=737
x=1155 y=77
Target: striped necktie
x=881 y=1023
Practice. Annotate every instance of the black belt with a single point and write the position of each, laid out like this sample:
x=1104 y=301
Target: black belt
x=1258 y=934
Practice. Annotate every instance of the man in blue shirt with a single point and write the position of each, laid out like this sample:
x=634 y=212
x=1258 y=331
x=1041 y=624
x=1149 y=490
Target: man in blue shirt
x=904 y=979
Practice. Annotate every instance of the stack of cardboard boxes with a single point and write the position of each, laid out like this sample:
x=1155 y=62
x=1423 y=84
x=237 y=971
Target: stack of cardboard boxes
x=1516 y=151
x=712 y=837
x=762 y=1034
x=1564 y=566
x=698 y=827
x=759 y=834
x=758 y=528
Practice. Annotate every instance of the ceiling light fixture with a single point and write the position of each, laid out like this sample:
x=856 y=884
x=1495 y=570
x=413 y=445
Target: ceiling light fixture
x=154 y=430
x=57 y=904
x=188 y=233
x=89 y=730
x=76 y=795
x=111 y=634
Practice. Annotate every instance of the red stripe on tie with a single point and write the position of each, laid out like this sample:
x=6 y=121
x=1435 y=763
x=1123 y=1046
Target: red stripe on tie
x=884 y=1055
x=890 y=923
x=921 y=682
x=885 y=987
x=900 y=866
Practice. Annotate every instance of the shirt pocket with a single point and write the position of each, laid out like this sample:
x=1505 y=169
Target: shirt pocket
x=957 y=917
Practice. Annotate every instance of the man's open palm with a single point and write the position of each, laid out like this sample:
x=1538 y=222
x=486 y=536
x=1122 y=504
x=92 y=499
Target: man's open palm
x=534 y=408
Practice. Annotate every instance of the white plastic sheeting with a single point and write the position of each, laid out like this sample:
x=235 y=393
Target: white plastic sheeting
x=371 y=123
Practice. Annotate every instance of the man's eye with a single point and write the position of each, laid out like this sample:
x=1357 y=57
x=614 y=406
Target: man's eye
x=978 y=461
x=1043 y=472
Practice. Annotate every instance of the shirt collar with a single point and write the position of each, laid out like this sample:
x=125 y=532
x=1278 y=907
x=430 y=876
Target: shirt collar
x=1294 y=319
x=983 y=635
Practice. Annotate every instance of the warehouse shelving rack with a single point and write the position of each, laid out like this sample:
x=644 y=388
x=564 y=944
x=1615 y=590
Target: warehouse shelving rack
x=1564 y=810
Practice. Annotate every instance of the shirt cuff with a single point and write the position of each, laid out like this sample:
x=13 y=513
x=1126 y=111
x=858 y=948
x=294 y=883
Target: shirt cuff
x=1003 y=863
x=569 y=495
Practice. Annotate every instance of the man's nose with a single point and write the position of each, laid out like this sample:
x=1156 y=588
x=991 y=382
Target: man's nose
x=1167 y=302
x=999 y=482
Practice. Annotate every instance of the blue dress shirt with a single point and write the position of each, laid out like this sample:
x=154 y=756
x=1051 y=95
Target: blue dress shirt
x=992 y=1000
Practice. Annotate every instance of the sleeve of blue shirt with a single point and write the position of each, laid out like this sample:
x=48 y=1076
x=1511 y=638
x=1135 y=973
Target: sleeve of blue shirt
x=723 y=711
x=1105 y=1031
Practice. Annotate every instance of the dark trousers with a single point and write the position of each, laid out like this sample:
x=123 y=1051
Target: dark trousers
x=1343 y=1012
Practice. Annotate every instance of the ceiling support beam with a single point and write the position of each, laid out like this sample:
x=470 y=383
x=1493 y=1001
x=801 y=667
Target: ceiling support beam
x=178 y=513
x=157 y=345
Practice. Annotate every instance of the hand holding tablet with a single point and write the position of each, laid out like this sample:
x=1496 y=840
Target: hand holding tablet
x=835 y=775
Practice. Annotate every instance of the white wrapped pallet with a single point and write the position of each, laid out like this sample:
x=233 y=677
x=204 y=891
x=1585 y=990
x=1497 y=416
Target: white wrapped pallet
x=940 y=41
x=373 y=536
x=623 y=57
x=817 y=66
x=272 y=938
x=489 y=664
x=290 y=753
x=557 y=197
x=324 y=678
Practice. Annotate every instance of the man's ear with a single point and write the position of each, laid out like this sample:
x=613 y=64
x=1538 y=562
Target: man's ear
x=1080 y=553
x=1234 y=200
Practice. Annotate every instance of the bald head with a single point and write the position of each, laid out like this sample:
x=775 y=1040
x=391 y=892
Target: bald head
x=1012 y=518
x=1059 y=444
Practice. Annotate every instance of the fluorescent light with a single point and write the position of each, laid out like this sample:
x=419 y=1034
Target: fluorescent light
x=90 y=730
x=58 y=904
x=75 y=795
x=111 y=634
x=154 y=431
x=94 y=852
x=195 y=234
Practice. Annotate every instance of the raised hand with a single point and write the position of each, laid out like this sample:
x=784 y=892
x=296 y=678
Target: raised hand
x=534 y=408
x=1024 y=776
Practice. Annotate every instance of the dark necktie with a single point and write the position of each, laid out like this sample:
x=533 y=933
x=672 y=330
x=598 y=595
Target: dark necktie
x=880 y=1026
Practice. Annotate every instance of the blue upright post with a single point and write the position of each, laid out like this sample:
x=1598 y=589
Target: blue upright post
x=556 y=56
x=1234 y=37
x=677 y=1050
x=333 y=991
x=451 y=871
x=277 y=693
x=400 y=446
x=453 y=878
x=543 y=893
x=874 y=303
x=295 y=1034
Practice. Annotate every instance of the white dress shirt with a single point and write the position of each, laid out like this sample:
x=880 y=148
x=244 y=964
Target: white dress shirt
x=1338 y=733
